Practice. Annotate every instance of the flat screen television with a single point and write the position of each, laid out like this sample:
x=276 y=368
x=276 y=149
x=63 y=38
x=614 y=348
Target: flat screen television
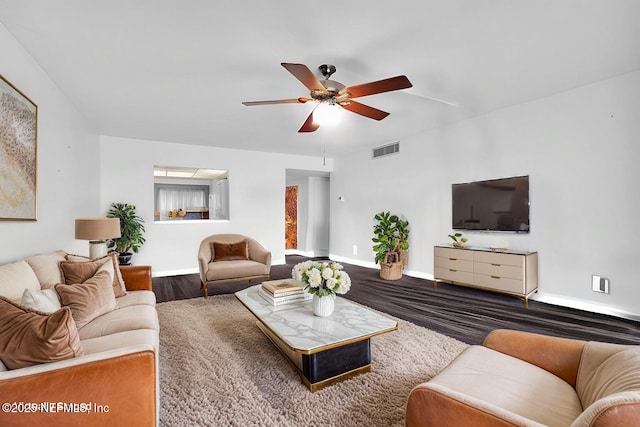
x=494 y=205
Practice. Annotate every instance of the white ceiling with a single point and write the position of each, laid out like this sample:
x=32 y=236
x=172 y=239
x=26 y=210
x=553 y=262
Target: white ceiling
x=178 y=70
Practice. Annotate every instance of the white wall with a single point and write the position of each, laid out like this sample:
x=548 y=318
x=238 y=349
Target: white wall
x=67 y=163
x=318 y=228
x=256 y=196
x=581 y=151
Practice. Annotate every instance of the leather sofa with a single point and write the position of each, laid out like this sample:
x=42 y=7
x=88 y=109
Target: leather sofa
x=238 y=258
x=524 y=379
x=115 y=379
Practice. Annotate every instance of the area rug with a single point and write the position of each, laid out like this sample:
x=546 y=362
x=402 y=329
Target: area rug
x=218 y=369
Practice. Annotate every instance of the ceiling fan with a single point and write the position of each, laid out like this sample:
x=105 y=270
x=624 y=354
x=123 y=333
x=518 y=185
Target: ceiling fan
x=335 y=93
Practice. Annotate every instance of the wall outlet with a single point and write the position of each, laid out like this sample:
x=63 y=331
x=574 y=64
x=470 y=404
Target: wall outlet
x=599 y=284
x=355 y=249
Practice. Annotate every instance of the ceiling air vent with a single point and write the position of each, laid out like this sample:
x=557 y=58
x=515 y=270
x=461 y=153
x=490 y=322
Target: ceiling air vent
x=385 y=150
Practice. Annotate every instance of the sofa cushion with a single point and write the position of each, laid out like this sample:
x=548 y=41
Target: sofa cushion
x=502 y=381
x=120 y=320
x=47 y=268
x=233 y=269
x=120 y=340
x=77 y=269
x=29 y=337
x=44 y=300
x=230 y=251
x=136 y=298
x=15 y=278
x=90 y=299
x=618 y=373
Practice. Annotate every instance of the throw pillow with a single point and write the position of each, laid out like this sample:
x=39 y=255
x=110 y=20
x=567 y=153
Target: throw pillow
x=112 y=258
x=15 y=278
x=29 y=337
x=47 y=268
x=230 y=251
x=89 y=299
x=77 y=272
x=44 y=300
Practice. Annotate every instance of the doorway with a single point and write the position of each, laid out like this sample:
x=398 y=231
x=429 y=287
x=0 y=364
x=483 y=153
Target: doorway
x=312 y=209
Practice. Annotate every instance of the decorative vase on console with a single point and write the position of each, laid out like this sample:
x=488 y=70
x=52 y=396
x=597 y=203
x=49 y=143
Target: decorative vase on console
x=323 y=279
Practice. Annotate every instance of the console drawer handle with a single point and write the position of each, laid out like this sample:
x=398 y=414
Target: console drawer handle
x=455 y=271
x=453 y=259
x=495 y=277
x=496 y=265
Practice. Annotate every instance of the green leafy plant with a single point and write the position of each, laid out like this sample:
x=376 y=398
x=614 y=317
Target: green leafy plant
x=459 y=241
x=390 y=234
x=402 y=231
x=131 y=228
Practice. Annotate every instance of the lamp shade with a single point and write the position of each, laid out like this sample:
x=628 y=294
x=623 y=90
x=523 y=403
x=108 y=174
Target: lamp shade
x=97 y=228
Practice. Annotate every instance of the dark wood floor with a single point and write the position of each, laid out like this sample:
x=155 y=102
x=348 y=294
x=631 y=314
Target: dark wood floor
x=462 y=313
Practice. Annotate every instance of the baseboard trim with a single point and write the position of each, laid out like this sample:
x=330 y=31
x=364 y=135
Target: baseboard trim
x=372 y=265
x=352 y=261
x=583 y=305
x=308 y=254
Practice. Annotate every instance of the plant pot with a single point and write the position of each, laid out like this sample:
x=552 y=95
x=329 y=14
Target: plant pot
x=391 y=267
x=404 y=257
x=124 y=258
x=323 y=306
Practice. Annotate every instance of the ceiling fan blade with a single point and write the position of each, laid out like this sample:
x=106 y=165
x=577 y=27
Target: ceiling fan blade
x=278 y=101
x=305 y=75
x=364 y=110
x=380 y=86
x=309 y=125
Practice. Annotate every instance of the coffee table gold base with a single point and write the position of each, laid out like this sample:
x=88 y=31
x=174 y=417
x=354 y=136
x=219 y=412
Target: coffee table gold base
x=345 y=376
x=326 y=366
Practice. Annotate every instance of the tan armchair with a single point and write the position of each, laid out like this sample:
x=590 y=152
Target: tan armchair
x=524 y=379
x=234 y=261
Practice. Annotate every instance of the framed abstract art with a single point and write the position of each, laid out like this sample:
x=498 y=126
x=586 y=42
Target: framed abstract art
x=18 y=154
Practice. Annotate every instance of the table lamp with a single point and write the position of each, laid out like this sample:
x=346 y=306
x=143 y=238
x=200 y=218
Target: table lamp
x=97 y=231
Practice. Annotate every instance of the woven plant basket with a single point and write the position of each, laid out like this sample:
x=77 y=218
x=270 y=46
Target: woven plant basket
x=391 y=267
x=404 y=257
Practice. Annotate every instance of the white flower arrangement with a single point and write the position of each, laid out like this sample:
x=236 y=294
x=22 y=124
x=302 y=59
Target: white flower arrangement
x=322 y=278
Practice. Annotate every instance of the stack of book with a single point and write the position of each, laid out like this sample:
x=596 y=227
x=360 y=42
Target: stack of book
x=285 y=291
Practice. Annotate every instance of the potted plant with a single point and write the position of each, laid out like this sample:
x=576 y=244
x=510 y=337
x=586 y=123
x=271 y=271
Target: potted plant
x=390 y=244
x=459 y=241
x=384 y=235
x=131 y=229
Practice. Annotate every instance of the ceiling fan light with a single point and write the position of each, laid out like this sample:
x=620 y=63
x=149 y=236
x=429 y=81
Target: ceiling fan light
x=328 y=115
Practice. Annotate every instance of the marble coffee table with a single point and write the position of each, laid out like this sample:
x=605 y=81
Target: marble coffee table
x=323 y=349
